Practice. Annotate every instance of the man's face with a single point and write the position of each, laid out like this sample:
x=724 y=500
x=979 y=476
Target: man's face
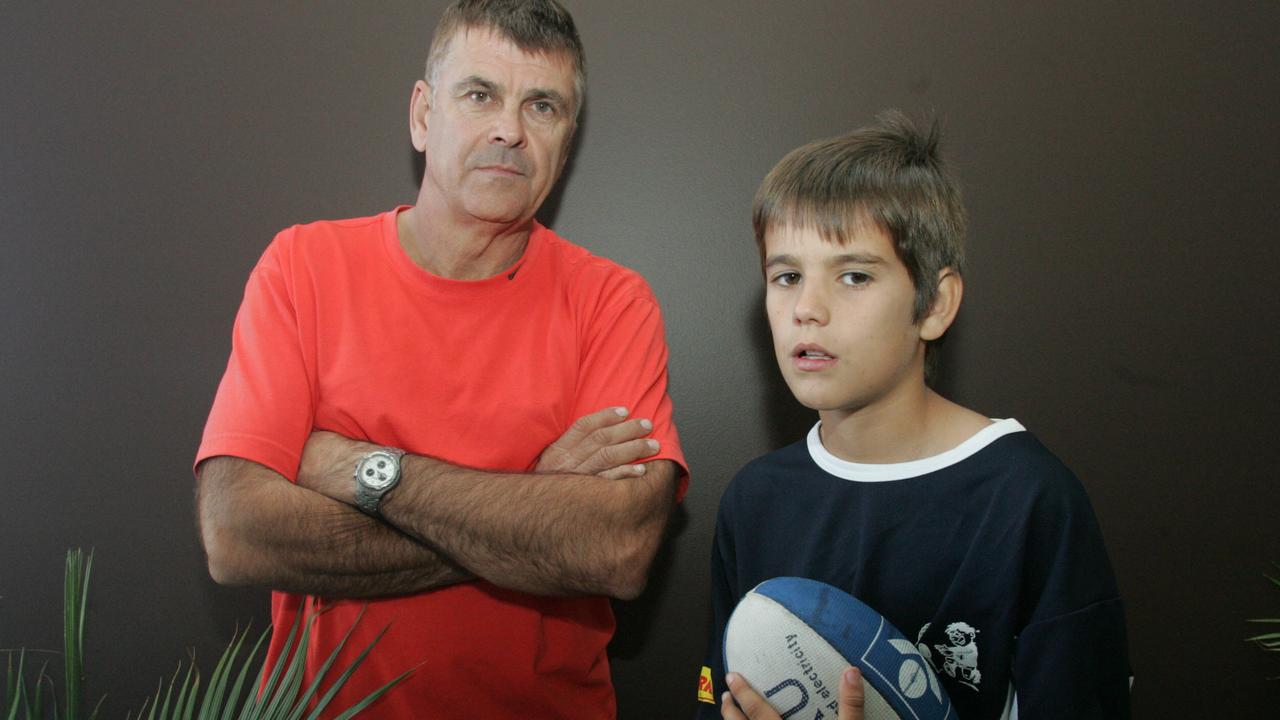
x=841 y=317
x=495 y=127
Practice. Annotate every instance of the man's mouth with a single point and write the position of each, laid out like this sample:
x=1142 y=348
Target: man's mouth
x=503 y=169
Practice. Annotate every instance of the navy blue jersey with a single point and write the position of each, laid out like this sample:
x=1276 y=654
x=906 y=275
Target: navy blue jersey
x=988 y=557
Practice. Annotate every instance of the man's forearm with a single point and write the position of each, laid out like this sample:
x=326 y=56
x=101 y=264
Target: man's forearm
x=554 y=534
x=260 y=529
x=546 y=534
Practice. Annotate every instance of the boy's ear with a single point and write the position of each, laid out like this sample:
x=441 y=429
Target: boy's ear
x=946 y=303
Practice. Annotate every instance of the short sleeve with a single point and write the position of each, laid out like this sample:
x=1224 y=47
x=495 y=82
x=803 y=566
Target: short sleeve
x=624 y=363
x=264 y=408
x=1071 y=658
x=1074 y=666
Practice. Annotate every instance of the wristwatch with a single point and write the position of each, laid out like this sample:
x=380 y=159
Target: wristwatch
x=376 y=473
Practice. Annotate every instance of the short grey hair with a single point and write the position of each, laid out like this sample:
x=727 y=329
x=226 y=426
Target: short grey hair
x=534 y=26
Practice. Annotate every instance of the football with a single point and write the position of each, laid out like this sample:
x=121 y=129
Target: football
x=792 y=638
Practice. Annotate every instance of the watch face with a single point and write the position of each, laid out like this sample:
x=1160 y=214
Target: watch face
x=378 y=470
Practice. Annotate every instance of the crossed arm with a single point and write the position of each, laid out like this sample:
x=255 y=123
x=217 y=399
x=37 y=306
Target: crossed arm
x=588 y=522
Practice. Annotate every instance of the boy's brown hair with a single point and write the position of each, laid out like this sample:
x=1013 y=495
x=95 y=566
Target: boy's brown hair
x=888 y=173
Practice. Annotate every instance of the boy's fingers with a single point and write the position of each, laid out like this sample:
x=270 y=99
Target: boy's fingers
x=851 y=695
x=729 y=711
x=753 y=705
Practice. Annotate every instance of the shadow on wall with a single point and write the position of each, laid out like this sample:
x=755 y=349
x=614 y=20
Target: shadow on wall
x=635 y=618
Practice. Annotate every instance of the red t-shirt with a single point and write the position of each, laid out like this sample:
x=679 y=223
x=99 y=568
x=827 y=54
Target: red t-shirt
x=341 y=331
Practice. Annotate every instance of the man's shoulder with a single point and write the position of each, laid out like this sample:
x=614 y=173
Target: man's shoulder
x=321 y=231
x=324 y=243
x=584 y=270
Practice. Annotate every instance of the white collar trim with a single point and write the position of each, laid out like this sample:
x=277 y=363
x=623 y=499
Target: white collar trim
x=882 y=472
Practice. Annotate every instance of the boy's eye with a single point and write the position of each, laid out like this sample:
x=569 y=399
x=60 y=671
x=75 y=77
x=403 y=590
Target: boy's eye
x=786 y=279
x=855 y=278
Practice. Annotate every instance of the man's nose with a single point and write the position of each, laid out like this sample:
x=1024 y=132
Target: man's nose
x=508 y=128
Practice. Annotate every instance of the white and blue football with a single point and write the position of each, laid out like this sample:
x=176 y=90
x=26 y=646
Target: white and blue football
x=792 y=639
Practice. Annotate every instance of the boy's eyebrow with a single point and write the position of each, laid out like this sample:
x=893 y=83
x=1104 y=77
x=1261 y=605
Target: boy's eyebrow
x=855 y=259
x=841 y=259
x=779 y=260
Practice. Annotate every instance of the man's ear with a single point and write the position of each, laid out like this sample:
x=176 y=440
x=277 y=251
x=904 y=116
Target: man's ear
x=419 y=109
x=946 y=303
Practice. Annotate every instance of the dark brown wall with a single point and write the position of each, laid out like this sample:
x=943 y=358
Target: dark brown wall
x=1119 y=163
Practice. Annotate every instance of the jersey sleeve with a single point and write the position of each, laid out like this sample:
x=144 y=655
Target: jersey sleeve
x=1071 y=659
x=264 y=408
x=624 y=363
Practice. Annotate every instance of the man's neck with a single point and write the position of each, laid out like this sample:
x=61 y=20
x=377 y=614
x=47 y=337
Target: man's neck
x=909 y=425
x=460 y=251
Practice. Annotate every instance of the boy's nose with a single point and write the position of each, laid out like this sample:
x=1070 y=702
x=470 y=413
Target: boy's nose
x=811 y=306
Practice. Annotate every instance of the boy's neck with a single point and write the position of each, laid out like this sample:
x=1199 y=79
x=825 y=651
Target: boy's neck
x=908 y=426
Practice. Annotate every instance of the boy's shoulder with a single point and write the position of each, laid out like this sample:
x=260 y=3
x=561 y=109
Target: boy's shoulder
x=1003 y=455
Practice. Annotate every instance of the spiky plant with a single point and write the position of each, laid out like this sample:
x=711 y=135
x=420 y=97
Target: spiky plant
x=21 y=703
x=233 y=690
x=1268 y=641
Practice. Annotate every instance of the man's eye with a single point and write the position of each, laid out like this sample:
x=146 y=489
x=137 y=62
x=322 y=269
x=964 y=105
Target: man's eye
x=543 y=107
x=479 y=96
x=786 y=279
x=855 y=278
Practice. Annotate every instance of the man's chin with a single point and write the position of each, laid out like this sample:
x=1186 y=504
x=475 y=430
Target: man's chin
x=501 y=213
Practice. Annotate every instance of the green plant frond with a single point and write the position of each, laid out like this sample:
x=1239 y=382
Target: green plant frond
x=323 y=670
x=371 y=697
x=291 y=680
x=190 y=684
x=188 y=710
x=12 y=683
x=346 y=674
x=168 y=694
x=43 y=679
x=215 y=696
x=240 y=679
x=268 y=688
x=278 y=695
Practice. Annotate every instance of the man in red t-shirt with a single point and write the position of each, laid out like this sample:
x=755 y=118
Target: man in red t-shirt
x=447 y=415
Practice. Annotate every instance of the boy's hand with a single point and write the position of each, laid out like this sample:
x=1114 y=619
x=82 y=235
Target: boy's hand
x=604 y=443
x=757 y=708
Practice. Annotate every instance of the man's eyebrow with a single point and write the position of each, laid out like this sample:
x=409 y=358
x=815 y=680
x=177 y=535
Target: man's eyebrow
x=475 y=81
x=546 y=94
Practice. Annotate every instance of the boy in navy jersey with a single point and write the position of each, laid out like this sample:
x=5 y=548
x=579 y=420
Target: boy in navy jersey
x=963 y=531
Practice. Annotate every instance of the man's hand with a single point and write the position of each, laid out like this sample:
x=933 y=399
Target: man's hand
x=756 y=707
x=604 y=443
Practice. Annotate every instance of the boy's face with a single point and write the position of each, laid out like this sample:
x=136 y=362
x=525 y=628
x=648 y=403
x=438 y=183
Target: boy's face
x=841 y=317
